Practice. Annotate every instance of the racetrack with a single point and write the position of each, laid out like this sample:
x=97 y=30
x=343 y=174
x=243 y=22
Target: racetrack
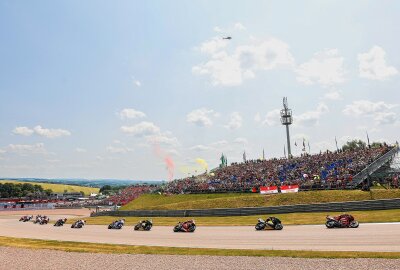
x=368 y=237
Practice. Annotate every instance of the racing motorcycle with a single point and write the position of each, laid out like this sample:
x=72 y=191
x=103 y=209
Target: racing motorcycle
x=41 y=220
x=342 y=221
x=144 y=225
x=187 y=226
x=25 y=218
x=78 y=224
x=272 y=223
x=60 y=222
x=116 y=225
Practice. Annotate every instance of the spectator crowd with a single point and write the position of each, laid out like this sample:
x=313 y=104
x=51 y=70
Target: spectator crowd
x=327 y=170
x=128 y=194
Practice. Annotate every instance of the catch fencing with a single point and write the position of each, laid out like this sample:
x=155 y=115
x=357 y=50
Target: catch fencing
x=247 y=211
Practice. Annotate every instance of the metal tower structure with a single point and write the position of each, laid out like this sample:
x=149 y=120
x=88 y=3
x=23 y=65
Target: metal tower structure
x=286 y=120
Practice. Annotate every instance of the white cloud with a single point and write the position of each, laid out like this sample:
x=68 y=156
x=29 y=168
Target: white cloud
x=164 y=138
x=51 y=133
x=231 y=69
x=217 y=29
x=311 y=118
x=37 y=148
x=137 y=83
x=272 y=118
x=379 y=111
x=257 y=117
x=118 y=150
x=141 y=129
x=326 y=68
x=201 y=117
x=44 y=132
x=200 y=147
x=239 y=26
x=235 y=121
x=240 y=141
x=129 y=113
x=25 y=131
x=333 y=95
x=80 y=150
x=372 y=65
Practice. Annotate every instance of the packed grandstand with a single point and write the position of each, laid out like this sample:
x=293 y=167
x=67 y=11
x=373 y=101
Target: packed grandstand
x=327 y=170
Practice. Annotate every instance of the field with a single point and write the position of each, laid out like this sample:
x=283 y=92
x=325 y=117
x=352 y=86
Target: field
x=58 y=188
x=235 y=200
x=287 y=219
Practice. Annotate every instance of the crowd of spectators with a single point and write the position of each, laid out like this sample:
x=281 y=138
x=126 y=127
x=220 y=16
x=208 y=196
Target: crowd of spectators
x=128 y=194
x=327 y=170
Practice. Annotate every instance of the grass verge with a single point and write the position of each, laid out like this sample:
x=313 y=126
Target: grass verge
x=236 y=200
x=127 y=249
x=287 y=219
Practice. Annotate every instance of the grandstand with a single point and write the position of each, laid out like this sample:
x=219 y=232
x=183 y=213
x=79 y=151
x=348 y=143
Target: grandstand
x=128 y=194
x=328 y=170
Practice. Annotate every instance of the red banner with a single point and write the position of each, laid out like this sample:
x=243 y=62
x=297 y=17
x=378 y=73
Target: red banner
x=288 y=189
x=268 y=190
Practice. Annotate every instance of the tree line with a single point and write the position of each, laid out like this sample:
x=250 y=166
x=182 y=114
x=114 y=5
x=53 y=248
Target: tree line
x=11 y=190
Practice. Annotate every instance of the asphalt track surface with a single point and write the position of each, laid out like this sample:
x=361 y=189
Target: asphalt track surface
x=368 y=237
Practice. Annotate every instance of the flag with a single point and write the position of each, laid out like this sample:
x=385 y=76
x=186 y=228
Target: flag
x=284 y=151
x=337 y=148
x=304 y=145
x=295 y=143
x=244 y=156
x=263 y=155
x=367 y=138
x=309 y=148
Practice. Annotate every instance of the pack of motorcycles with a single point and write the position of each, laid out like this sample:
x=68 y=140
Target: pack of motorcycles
x=271 y=223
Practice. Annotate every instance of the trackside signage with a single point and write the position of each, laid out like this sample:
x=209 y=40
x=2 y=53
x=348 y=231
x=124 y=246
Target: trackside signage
x=268 y=190
x=288 y=189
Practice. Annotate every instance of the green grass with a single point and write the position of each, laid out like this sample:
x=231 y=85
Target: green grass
x=128 y=249
x=287 y=219
x=58 y=188
x=236 y=200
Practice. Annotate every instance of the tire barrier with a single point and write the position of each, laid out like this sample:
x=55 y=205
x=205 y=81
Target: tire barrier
x=247 y=211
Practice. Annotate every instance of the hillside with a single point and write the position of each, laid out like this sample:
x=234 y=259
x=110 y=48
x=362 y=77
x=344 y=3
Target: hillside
x=234 y=200
x=58 y=188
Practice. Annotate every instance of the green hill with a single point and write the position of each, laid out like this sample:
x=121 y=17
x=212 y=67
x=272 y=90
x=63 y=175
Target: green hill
x=235 y=200
x=58 y=188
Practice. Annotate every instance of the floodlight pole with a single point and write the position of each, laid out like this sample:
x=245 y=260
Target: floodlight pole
x=286 y=120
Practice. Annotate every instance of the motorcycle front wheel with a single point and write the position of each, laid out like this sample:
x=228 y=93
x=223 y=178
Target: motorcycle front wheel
x=278 y=226
x=354 y=224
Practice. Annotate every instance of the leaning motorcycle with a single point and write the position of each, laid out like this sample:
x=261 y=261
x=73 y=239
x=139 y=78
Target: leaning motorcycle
x=275 y=224
x=342 y=221
x=187 y=226
x=115 y=225
x=144 y=225
x=77 y=224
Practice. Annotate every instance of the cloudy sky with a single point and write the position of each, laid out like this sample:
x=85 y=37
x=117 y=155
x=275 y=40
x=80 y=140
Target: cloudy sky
x=141 y=89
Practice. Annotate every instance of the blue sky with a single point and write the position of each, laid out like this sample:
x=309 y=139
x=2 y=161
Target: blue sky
x=105 y=89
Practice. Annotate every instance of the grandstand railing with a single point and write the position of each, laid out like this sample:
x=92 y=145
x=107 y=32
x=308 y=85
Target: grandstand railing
x=371 y=168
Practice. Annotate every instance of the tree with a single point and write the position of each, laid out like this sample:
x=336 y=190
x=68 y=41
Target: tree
x=353 y=145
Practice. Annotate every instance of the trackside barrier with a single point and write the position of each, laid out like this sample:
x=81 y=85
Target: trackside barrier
x=221 y=212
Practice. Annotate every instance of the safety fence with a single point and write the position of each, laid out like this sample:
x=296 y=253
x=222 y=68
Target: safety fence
x=247 y=211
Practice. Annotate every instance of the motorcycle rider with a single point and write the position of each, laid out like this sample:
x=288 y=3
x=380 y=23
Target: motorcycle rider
x=272 y=221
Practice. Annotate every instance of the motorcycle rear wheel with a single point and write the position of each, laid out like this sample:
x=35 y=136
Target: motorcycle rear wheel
x=260 y=226
x=330 y=224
